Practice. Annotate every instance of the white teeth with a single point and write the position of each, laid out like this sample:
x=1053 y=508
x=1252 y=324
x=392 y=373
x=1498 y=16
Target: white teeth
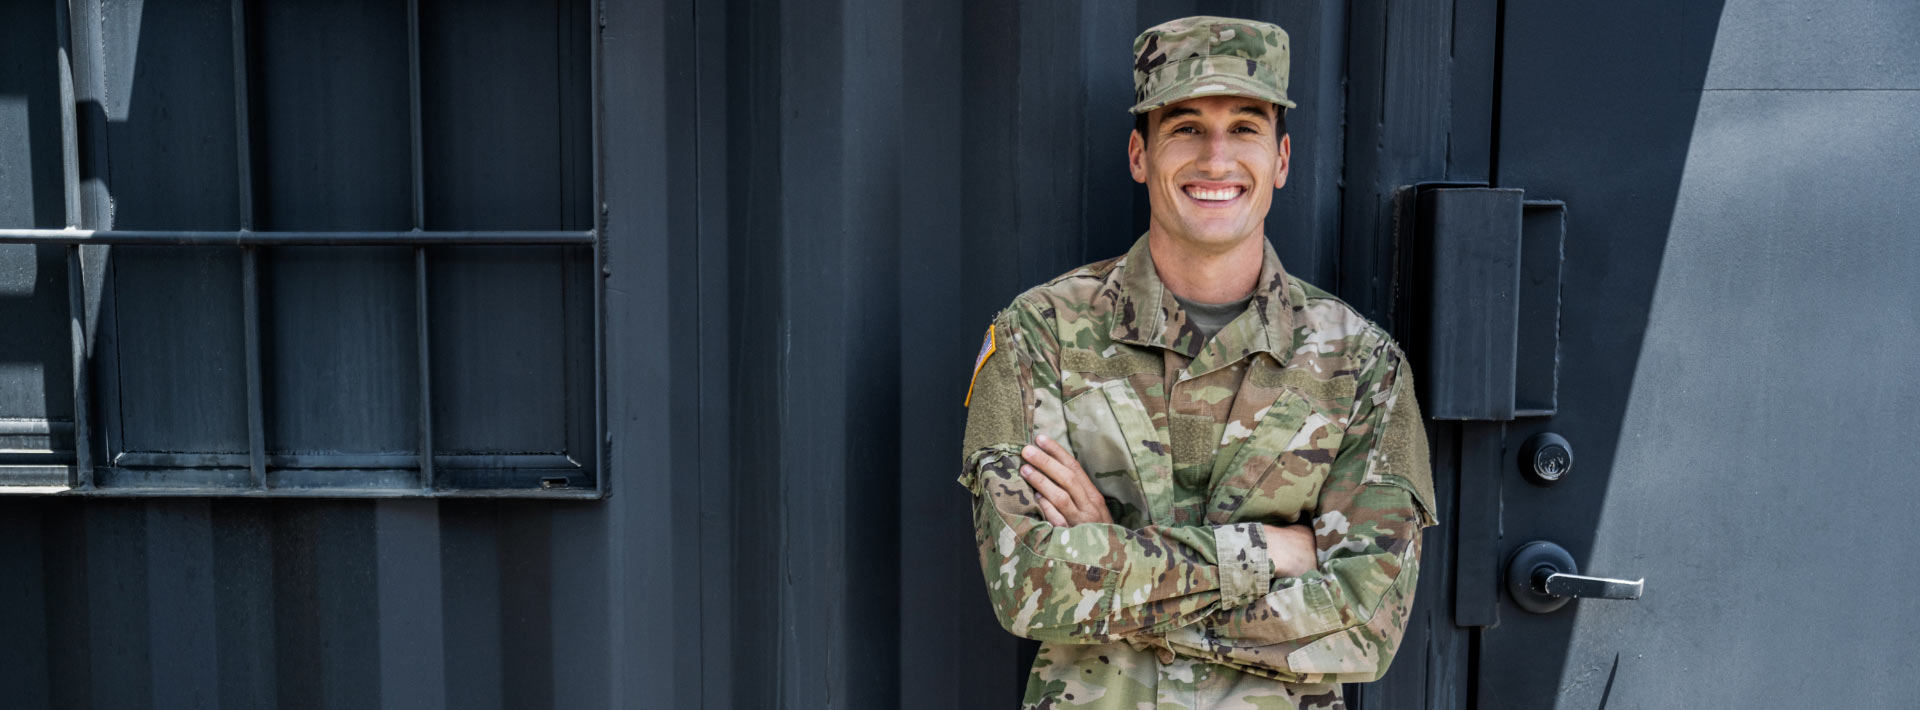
x=1213 y=195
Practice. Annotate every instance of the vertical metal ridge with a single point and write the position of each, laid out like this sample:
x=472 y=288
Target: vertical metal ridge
x=717 y=647
x=256 y=405
x=410 y=604
x=249 y=255
x=180 y=578
x=413 y=114
x=569 y=186
x=1499 y=79
x=89 y=87
x=69 y=120
x=421 y=331
x=242 y=116
x=426 y=368
x=82 y=476
x=82 y=416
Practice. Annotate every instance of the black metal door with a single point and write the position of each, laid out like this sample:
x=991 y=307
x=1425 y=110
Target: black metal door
x=1734 y=393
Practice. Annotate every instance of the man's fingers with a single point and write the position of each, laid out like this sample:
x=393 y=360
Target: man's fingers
x=1052 y=514
x=1060 y=453
x=1038 y=456
x=1060 y=467
x=1089 y=494
x=1048 y=490
x=1057 y=464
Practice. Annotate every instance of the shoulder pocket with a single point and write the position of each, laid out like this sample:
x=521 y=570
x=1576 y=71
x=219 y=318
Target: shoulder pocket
x=1401 y=457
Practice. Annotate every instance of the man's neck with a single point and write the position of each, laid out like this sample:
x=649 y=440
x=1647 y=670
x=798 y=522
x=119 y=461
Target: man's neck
x=1208 y=277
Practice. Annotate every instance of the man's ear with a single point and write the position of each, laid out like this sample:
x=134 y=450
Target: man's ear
x=1286 y=160
x=1137 y=156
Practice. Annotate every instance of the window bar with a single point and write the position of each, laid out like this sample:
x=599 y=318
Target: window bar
x=243 y=238
x=82 y=477
x=82 y=396
x=69 y=120
x=89 y=87
x=256 y=405
x=602 y=439
x=420 y=251
x=249 y=256
x=426 y=373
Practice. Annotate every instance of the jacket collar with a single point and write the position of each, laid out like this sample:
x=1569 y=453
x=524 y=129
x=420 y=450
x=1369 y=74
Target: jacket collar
x=1145 y=313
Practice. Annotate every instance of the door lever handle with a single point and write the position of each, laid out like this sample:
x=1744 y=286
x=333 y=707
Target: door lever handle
x=1562 y=584
x=1542 y=577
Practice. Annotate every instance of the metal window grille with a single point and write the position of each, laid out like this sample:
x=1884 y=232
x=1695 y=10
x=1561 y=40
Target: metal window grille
x=88 y=240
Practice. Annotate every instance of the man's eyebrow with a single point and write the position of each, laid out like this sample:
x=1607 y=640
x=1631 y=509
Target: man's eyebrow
x=1260 y=111
x=1178 y=112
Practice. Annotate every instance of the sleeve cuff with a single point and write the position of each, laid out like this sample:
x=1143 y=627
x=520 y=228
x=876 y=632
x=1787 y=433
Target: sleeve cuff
x=1245 y=571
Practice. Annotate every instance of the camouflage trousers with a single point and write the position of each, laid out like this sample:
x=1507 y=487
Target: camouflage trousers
x=1120 y=676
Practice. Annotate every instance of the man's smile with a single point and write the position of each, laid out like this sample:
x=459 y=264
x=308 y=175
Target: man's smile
x=1213 y=194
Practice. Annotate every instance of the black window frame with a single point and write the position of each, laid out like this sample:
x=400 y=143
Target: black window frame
x=95 y=465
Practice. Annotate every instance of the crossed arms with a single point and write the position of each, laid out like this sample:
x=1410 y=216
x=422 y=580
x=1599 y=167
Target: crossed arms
x=1243 y=594
x=1068 y=498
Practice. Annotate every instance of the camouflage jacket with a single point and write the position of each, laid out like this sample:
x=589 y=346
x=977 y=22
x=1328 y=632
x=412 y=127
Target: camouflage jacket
x=1298 y=410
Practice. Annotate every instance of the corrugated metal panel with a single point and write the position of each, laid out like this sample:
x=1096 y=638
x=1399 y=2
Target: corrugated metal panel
x=906 y=171
x=811 y=211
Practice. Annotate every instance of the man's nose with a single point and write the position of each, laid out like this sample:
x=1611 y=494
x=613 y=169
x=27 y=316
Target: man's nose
x=1214 y=158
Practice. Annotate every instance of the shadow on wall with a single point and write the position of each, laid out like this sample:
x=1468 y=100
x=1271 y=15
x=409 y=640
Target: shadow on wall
x=1598 y=105
x=36 y=380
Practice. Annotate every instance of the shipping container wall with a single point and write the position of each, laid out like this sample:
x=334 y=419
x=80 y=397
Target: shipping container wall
x=805 y=213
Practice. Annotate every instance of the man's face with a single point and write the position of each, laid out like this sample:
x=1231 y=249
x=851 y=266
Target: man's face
x=1210 y=167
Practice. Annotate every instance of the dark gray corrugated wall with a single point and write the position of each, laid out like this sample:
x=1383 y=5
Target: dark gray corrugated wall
x=894 y=174
x=811 y=208
x=906 y=172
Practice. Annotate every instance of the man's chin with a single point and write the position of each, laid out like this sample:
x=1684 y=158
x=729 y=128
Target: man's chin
x=1214 y=239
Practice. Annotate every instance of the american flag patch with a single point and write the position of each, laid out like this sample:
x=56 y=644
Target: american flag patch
x=986 y=348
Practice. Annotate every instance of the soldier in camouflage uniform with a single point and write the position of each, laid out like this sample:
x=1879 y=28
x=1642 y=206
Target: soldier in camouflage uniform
x=1190 y=511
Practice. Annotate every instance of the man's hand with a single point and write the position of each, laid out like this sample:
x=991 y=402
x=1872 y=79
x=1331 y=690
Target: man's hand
x=1291 y=550
x=1067 y=495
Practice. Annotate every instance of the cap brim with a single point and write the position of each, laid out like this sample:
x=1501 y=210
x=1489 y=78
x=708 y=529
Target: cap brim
x=1216 y=85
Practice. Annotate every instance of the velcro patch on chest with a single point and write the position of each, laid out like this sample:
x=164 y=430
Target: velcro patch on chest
x=987 y=347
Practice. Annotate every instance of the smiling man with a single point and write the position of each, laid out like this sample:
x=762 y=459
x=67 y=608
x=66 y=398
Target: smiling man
x=1199 y=481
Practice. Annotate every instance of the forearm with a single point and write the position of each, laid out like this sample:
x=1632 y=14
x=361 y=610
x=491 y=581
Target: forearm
x=1095 y=583
x=1361 y=553
x=1357 y=651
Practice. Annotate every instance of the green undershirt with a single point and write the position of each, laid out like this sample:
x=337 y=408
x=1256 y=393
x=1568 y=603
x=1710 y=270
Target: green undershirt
x=1211 y=317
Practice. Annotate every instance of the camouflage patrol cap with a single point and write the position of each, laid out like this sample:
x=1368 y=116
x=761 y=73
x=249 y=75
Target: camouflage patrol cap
x=1209 y=56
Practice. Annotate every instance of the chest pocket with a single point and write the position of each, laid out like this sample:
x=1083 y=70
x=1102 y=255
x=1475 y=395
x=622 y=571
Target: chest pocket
x=1111 y=432
x=1276 y=472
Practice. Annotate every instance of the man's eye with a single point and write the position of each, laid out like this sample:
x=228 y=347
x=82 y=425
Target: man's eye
x=1186 y=129
x=1246 y=129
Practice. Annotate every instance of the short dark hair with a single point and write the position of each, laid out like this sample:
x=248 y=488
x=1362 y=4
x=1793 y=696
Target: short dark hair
x=1279 y=122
